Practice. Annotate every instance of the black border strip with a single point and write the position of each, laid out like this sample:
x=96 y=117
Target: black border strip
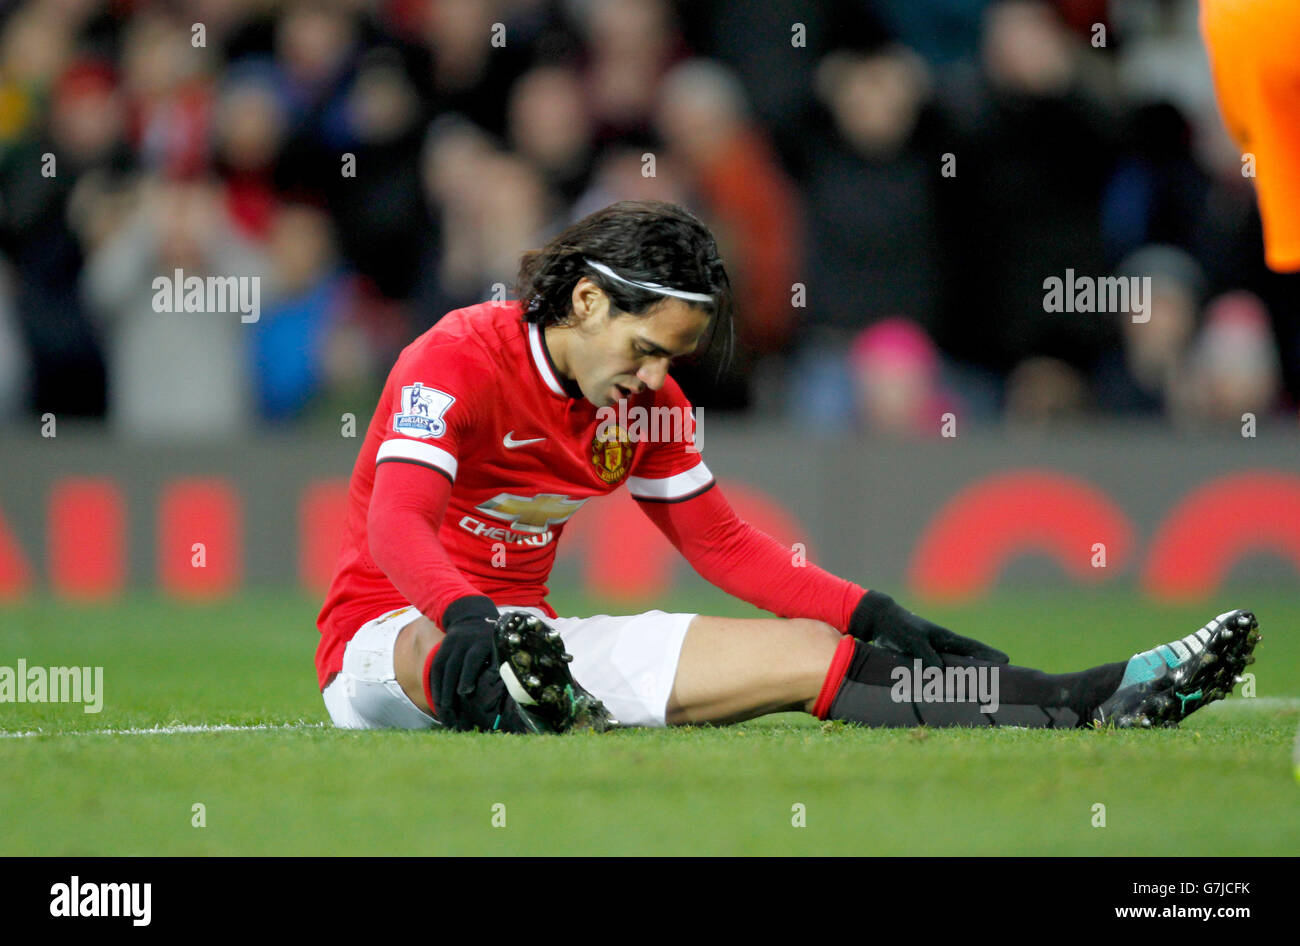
x=676 y=499
x=450 y=479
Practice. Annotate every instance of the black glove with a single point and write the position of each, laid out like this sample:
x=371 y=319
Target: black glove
x=465 y=680
x=882 y=621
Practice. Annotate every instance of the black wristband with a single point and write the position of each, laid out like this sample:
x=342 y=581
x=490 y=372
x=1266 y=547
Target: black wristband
x=470 y=606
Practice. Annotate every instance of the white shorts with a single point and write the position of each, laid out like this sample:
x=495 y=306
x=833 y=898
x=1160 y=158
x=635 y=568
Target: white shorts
x=628 y=662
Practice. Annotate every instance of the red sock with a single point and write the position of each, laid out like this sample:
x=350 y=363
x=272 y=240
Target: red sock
x=835 y=676
x=428 y=665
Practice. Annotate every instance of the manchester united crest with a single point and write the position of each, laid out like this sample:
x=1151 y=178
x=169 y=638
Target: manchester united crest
x=611 y=452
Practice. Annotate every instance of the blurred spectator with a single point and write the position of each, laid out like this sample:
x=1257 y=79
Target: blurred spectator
x=896 y=375
x=743 y=194
x=76 y=154
x=1023 y=202
x=630 y=44
x=315 y=45
x=248 y=132
x=290 y=341
x=874 y=248
x=1149 y=375
x=467 y=73
x=551 y=127
x=1234 y=363
x=35 y=47
x=874 y=241
x=169 y=95
x=1158 y=191
x=379 y=211
x=179 y=375
x=757 y=41
x=453 y=151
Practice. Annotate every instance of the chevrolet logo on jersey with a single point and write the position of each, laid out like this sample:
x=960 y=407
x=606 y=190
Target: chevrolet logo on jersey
x=531 y=513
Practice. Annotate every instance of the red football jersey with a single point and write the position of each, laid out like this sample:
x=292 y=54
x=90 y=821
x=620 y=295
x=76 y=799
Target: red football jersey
x=478 y=399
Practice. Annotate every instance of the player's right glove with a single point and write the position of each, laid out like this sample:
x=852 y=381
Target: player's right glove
x=880 y=620
x=466 y=686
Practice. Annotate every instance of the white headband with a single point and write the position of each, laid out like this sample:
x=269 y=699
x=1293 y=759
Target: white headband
x=651 y=286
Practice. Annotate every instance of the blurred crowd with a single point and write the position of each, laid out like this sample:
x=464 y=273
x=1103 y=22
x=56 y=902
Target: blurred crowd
x=891 y=182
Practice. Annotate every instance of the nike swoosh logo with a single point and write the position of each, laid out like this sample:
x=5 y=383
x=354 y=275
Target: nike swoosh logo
x=511 y=443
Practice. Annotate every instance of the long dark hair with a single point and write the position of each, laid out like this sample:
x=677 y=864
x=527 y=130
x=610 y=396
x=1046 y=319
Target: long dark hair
x=643 y=240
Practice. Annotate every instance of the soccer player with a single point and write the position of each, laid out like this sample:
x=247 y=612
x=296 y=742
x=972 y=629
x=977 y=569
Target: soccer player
x=1254 y=48
x=494 y=428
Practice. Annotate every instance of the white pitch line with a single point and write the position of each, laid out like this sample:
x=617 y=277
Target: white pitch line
x=1237 y=703
x=1259 y=702
x=162 y=730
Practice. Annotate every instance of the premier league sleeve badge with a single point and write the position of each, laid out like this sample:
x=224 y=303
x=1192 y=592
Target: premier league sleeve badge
x=422 y=411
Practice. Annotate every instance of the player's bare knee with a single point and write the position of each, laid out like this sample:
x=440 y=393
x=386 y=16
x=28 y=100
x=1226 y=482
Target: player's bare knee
x=816 y=634
x=410 y=651
x=425 y=636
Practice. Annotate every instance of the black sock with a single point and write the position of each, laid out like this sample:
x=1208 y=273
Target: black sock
x=882 y=688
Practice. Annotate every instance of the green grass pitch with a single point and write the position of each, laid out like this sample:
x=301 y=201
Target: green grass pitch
x=1222 y=784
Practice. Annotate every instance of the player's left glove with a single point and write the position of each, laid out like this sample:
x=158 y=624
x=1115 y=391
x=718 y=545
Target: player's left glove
x=509 y=673
x=883 y=622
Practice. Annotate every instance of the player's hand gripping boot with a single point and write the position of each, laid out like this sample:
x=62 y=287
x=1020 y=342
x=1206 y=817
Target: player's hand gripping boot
x=1162 y=686
x=535 y=669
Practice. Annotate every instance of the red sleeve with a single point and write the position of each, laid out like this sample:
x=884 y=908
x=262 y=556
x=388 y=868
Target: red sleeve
x=406 y=509
x=742 y=561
